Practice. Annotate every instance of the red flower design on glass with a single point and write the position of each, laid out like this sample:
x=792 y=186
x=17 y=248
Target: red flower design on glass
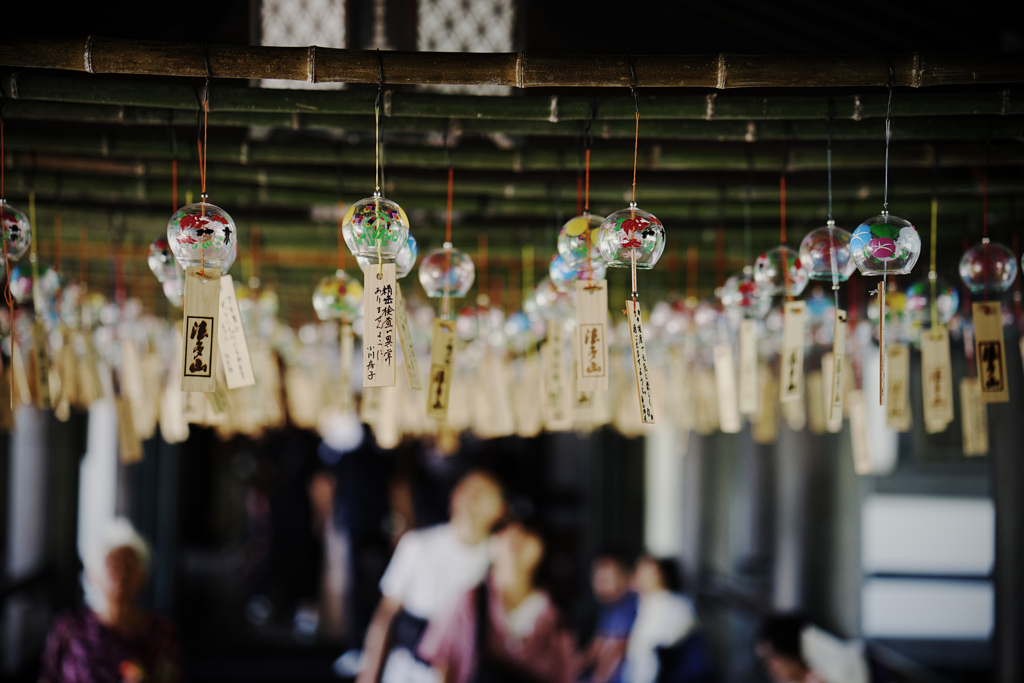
x=632 y=226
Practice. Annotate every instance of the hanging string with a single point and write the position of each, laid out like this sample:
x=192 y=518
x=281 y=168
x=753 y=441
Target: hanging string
x=8 y=296
x=636 y=147
x=888 y=136
x=748 y=240
x=984 y=217
x=341 y=238
x=445 y=299
x=378 y=173
x=588 y=141
x=58 y=224
x=831 y=221
x=782 y=235
x=932 y=275
x=201 y=144
x=691 y=274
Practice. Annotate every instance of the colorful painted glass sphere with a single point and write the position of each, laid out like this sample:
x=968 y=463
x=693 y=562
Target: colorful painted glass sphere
x=824 y=247
x=438 y=275
x=161 y=260
x=780 y=271
x=338 y=297
x=740 y=296
x=885 y=245
x=17 y=231
x=201 y=234
x=404 y=262
x=631 y=236
x=988 y=268
x=919 y=302
x=375 y=227
x=573 y=239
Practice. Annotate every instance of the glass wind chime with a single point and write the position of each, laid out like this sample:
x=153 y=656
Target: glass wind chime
x=579 y=264
x=444 y=273
x=161 y=259
x=633 y=238
x=885 y=245
x=376 y=230
x=825 y=254
x=17 y=236
x=204 y=241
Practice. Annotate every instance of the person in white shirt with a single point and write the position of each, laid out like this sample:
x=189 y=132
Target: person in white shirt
x=795 y=651
x=429 y=570
x=664 y=617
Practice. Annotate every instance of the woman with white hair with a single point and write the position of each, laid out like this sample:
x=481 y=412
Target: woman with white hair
x=113 y=640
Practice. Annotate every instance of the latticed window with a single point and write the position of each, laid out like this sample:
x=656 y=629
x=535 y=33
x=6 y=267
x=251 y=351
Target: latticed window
x=467 y=26
x=300 y=23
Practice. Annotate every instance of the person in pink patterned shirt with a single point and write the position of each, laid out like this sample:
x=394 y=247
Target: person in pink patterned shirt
x=505 y=630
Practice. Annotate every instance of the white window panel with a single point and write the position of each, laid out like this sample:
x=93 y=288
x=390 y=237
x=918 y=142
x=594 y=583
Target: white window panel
x=466 y=26
x=301 y=23
x=927 y=608
x=928 y=535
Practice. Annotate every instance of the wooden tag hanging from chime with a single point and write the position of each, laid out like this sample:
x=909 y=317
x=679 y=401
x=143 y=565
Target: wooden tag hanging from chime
x=897 y=408
x=936 y=380
x=990 y=351
x=412 y=365
x=557 y=398
x=973 y=417
x=792 y=359
x=747 y=398
x=643 y=378
x=837 y=374
x=201 y=310
x=442 y=367
x=725 y=385
x=231 y=342
x=833 y=414
x=380 y=335
x=590 y=344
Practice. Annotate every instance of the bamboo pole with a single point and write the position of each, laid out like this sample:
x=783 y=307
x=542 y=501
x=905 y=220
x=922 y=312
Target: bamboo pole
x=54 y=86
x=98 y=55
x=683 y=156
x=920 y=128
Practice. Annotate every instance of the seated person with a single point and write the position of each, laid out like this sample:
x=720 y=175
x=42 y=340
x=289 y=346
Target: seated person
x=506 y=629
x=606 y=653
x=430 y=569
x=664 y=617
x=795 y=651
x=113 y=640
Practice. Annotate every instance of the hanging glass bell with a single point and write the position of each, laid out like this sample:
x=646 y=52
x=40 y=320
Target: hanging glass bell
x=436 y=271
x=572 y=239
x=742 y=298
x=338 y=297
x=817 y=249
x=919 y=302
x=376 y=228
x=631 y=235
x=161 y=260
x=885 y=245
x=202 y=233
x=988 y=268
x=780 y=271
x=17 y=231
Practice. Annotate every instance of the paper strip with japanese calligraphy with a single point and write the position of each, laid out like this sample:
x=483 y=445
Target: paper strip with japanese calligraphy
x=643 y=377
x=748 y=367
x=202 y=302
x=442 y=367
x=833 y=414
x=791 y=378
x=557 y=398
x=412 y=365
x=859 y=433
x=234 y=350
x=936 y=380
x=591 y=321
x=725 y=384
x=815 y=402
x=380 y=335
x=973 y=418
x=990 y=351
x=897 y=408
x=837 y=385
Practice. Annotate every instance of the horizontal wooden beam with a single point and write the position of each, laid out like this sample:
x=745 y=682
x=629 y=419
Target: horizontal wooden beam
x=913 y=129
x=163 y=95
x=98 y=55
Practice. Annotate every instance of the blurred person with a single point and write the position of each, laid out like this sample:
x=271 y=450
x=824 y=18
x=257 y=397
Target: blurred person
x=429 y=570
x=605 y=655
x=664 y=617
x=113 y=640
x=795 y=651
x=506 y=629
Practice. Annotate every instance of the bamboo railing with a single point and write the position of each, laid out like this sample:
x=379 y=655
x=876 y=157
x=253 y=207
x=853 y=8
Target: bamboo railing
x=97 y=55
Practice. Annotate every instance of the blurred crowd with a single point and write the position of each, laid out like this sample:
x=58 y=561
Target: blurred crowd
x=468 y=600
